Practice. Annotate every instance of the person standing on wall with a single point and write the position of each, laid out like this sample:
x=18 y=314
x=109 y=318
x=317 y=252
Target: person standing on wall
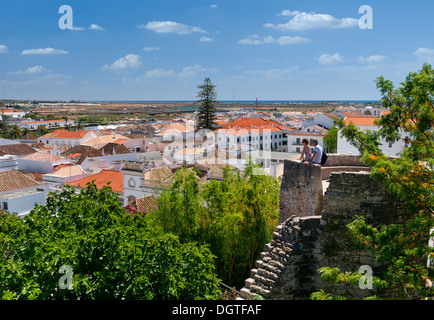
x=317 y=152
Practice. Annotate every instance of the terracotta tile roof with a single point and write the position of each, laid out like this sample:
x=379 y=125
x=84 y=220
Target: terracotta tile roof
x=42 y=156
x=245 y=125
x=86 y=151
x=105 y=139
x=385 y=112
x=119 y=149
x=68 y=171
x=366 y=121
x=28 y=136
x=19 y=149
x=143 y=205
x=15 y=180
x=63 y=134
x=101 y=179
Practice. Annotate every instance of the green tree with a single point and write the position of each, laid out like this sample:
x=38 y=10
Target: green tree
x=42 y=129
x=112 y=254
x=206 y=116
x=331 y=140
x=14 y=132
x=236 y=217
x=402 y=247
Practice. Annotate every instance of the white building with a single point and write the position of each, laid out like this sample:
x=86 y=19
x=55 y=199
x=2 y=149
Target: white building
x=19 y=193
x=47 y=123
x=71 y=138
x=389 y=149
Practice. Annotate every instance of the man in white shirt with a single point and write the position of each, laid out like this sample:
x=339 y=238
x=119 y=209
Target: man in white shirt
x=317 y=152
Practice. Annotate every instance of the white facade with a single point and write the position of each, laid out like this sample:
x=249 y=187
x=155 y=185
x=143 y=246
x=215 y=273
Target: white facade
x=72 y=142
x=48 y=124
x=295 y=141
x=8 y=163
x=275 y=140
x=389 y=149
x=40 y=166
x=23 y=201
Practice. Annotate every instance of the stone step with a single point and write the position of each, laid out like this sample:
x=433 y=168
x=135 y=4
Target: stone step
x=249 y=282
x=245 y=293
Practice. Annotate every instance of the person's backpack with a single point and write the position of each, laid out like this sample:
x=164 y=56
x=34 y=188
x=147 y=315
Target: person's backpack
x=323 y=158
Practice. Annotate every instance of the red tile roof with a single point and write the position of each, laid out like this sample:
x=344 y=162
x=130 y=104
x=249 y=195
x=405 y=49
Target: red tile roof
x=101 y=179
x=359 y=121
x=245 y=125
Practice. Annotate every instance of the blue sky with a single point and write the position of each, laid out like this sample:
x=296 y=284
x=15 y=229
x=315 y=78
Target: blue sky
x=162 y=49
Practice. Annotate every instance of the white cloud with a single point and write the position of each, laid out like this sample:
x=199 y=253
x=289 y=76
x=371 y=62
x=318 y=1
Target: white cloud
x=31 y=71
x=206 y=39
x=191 y=71
x=3 y=48
x=77 y=28
x=326 y=59
x=213 y=6
x=256 y=40
x=424 y=52
x=46 y=51
x=147 y=49
x=159 y=73
x=170 y=27
x=309 y=21
x=288 y=13
x=129 y=61
x=372 y=59
x=96 y=27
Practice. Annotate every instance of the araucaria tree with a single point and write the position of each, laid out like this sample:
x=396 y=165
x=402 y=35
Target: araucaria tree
x=403 y=248
x=207 y=111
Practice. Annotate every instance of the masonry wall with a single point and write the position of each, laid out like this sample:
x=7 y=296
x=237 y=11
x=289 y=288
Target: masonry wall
x=288 y=267
x=301 y=192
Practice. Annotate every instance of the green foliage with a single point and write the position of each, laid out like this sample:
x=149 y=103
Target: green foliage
x=206 y=116
x=331 y=140
x=113 y=254
x=235 y=217
x=402 y=247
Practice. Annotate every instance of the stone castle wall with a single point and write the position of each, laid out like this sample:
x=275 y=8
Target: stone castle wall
x=305 y=242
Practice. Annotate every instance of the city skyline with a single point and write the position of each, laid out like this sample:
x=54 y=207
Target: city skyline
x=148 y=50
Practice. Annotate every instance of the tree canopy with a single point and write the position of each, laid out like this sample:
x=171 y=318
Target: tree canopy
x=206 y=116
x=112 y=254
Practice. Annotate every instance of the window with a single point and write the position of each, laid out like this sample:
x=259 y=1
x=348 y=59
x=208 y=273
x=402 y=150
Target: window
x=280 y=136
x=298 y=141
x=238 y=140
x=390 y=144
x=5 y=206
x=297 y=149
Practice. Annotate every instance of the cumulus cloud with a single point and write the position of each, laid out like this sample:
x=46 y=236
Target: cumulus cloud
x=206 y=39
x=170 y=27
x=96 y=27
x=372 y=59
x=147 y=49
x=129 y=61
x=424 y=52
x=301 y=21
x=46 y=51
x=3 y=48
x=256 y=40
x=327 y=59
x=31 y=71
x=213 y=6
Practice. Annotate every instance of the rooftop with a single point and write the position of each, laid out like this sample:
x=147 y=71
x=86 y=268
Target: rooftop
x=15 y=180
x=115 y=178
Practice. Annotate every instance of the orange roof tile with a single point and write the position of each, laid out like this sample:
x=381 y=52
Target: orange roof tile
x=359 y=121
x=101 y=179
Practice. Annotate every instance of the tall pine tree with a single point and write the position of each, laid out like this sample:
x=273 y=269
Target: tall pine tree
x=207 y=110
